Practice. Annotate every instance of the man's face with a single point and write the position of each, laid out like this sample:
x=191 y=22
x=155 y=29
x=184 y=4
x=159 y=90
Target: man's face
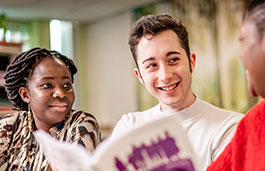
x=252 y=55
x=165 y=70
x=50 y=93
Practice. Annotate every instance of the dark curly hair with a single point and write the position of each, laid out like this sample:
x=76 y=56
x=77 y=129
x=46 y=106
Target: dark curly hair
x=154 y=24
x=21 y=69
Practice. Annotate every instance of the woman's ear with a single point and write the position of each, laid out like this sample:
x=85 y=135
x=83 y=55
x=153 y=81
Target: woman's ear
x=263 y=45
x=138 y=75
x=24 y=94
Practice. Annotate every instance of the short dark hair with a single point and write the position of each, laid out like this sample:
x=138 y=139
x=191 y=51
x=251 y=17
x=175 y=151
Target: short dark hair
x=253 y=4
x=154 y=24
x=21 y=69
x=256 y=14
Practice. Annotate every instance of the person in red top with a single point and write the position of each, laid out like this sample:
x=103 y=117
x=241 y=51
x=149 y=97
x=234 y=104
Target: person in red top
x=246 y=151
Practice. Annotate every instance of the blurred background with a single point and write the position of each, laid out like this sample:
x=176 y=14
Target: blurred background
x=94 y=33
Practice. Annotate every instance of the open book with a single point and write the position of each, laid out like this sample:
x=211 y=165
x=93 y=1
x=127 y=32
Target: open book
x=158 y=145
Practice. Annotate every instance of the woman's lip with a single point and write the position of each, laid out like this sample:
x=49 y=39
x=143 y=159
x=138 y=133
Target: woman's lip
x=59 y=105
x=59 y=108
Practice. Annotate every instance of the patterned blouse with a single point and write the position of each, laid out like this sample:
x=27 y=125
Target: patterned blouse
x=20 y=150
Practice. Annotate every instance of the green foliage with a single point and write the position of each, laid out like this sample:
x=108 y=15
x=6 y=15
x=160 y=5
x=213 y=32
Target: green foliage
x=3 y=25
x=145 y=10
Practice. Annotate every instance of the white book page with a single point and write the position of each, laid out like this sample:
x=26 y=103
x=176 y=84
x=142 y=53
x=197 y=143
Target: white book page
x=159 y=145
x=63 y=156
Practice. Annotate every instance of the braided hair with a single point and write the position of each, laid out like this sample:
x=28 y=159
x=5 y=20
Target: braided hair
x=21 y=69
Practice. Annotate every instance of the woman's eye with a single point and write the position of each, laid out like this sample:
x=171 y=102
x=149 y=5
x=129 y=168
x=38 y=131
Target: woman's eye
x=67 y=85
x=46 y=86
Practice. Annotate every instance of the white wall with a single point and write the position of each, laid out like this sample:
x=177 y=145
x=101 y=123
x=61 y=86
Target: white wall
x=111 y=83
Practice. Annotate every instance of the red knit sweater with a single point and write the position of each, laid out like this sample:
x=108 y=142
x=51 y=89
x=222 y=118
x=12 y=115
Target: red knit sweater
x=246 y=151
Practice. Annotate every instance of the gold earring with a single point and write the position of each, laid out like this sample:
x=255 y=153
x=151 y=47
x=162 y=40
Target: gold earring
x=29 y=117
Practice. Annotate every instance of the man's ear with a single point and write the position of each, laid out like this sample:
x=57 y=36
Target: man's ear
x=138 y=75
x=192 y=61
x=24 y=94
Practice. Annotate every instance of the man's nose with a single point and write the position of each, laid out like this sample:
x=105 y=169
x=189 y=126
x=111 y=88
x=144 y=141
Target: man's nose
x=165 y=74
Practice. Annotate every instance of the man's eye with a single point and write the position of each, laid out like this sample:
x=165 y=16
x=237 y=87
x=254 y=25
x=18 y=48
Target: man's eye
x=151 y=66
x=46 y=86
x=173 y=60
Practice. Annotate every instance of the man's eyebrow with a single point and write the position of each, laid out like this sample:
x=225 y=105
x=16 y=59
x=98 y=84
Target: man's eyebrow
x=172 y=52
x=148 y=59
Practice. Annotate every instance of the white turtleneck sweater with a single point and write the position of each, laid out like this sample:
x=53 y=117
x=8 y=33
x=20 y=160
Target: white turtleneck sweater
x=208 y=127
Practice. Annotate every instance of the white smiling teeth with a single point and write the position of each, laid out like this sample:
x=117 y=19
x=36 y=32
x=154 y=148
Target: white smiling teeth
x=169 y=88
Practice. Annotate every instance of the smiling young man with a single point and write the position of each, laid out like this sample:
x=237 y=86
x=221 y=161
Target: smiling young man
x=160 y=48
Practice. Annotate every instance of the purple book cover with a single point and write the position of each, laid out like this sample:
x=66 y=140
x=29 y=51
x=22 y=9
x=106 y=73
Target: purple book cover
x=160 y=155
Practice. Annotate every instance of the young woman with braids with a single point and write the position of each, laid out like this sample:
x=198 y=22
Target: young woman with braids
x=39 y=84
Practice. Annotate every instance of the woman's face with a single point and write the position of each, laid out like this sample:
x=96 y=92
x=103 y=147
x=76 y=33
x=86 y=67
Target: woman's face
x=49 y=92
x=252 y=55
